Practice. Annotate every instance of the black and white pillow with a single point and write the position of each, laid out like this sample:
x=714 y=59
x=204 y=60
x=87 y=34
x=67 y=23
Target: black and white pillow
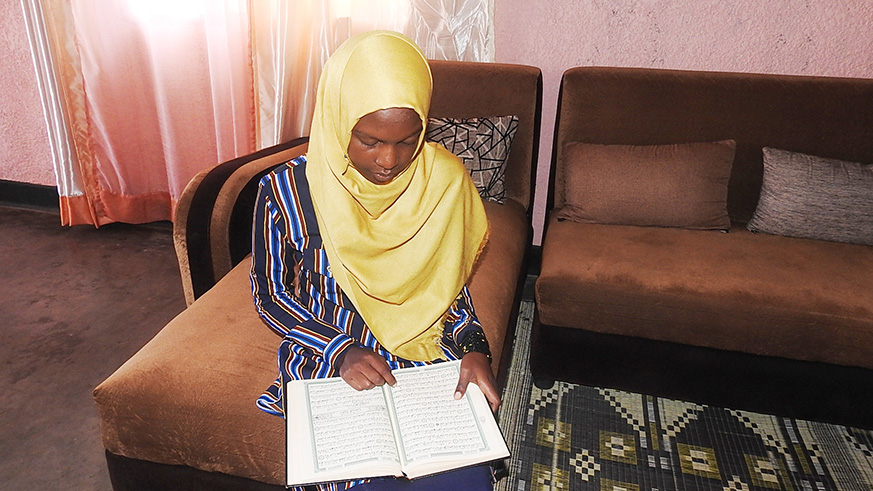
x=815 y=198
x=483 y=144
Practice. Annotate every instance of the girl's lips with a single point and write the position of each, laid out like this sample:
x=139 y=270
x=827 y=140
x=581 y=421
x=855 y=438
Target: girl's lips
x=383 y=177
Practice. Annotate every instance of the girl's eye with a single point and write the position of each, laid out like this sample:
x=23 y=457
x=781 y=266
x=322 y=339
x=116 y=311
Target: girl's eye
x=410 y=141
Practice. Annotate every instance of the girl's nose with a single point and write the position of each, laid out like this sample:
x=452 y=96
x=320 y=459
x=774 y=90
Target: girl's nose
x=387 y=158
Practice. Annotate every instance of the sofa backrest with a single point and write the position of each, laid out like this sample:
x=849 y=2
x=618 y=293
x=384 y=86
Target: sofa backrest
x=213 y=222
x=822 y=116
x=468 y=90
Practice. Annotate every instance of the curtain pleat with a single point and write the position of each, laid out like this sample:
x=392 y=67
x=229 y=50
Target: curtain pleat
x=64 y=162
x=453 y=30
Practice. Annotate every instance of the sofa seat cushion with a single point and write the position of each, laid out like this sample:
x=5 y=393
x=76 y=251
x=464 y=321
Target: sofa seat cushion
x=188 y=396
x=755 y=293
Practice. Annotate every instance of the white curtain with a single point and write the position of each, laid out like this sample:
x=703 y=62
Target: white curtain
x=292 y=40
x=150 y=92
x=140 y=95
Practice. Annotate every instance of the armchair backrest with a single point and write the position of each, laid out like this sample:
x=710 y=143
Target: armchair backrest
x=467 y=90
x=213 y=221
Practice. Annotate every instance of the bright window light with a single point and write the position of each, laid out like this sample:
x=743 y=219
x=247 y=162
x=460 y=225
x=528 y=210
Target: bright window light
x=167 y=10
x=341 y=8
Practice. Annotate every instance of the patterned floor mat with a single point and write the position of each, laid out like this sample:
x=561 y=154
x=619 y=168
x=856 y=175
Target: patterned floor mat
x=573 y=437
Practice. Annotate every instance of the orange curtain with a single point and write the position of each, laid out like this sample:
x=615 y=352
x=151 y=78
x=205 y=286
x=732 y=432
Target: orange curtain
x=141 y=95
x=153 y=91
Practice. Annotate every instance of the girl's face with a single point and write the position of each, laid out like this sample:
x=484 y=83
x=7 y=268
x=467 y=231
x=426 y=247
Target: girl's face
x=384 y=142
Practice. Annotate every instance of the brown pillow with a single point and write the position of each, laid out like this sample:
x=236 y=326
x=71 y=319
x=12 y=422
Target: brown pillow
x=680 y=185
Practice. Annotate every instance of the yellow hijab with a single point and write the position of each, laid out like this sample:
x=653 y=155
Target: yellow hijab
x=401 y=251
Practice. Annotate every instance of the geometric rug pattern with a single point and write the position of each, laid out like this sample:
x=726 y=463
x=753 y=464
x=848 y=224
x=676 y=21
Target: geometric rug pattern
x=572 y=437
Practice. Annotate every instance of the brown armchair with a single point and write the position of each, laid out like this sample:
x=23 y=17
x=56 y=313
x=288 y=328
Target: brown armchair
x=181 y=414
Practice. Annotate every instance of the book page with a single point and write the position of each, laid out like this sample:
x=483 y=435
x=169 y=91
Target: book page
x=431 y=422
x=335 y=433
x=342 y=437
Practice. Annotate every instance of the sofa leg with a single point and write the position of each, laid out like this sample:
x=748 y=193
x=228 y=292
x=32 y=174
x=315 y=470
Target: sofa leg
x=543 y=383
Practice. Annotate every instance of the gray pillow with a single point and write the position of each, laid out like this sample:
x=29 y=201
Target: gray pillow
x=815 y=198
x=483 y=144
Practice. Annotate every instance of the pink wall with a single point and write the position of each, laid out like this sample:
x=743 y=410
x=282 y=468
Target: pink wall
x=25 y=155
x=803 y=37
x=815 y=37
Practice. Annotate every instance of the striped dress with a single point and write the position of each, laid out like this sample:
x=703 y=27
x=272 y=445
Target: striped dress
x=297 y=297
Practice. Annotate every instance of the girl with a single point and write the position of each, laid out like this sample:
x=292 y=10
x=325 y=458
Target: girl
x=363 y=247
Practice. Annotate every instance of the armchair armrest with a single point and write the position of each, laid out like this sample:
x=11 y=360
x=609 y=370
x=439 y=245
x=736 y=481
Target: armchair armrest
x=213 y=221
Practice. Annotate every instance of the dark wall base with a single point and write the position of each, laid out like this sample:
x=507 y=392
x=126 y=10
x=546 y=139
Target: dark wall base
x=798 y=389
x=29 y=195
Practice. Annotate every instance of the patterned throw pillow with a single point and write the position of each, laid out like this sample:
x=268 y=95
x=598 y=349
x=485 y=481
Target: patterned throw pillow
x=483 y=144
x=815 y=198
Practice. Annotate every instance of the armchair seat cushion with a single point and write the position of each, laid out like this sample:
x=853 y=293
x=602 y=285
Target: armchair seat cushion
x=188 y=397
x=177 y=403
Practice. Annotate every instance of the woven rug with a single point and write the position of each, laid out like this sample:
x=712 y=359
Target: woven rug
x=573 y=437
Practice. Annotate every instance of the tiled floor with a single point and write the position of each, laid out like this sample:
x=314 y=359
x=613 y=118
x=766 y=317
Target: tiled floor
x=75 y=303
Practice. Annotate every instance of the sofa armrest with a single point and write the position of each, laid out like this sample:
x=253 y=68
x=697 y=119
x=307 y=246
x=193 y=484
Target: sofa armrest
x=213 y=218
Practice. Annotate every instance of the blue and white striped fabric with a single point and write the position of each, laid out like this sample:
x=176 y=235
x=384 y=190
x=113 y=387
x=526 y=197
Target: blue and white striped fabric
x=297 y=296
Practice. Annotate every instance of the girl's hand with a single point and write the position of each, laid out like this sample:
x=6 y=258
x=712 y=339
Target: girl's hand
x=363 y=369
x=475 y=367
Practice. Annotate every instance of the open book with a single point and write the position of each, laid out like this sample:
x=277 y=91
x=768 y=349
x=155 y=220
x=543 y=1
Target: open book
x=416 y=428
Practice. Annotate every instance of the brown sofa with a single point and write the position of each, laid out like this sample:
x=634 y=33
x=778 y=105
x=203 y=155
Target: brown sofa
x=181 y=414
x=745 y=320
